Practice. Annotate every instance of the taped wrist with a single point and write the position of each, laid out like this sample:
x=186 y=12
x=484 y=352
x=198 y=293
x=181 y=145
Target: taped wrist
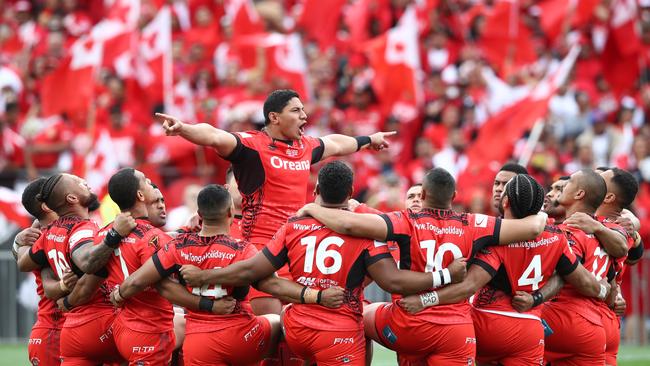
x=429 y=299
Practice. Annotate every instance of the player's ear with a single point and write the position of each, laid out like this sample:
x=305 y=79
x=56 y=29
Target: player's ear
x=71 y=199
x=580 y=194
x=273 y=118
x=505 y=202
x=139 y=195
x=609 y=197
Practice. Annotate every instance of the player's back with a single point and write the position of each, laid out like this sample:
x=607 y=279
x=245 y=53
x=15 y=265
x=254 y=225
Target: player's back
x=321 y=258
x=147 y=311
x=431 y=239
x=524 y=266
x=207 y=253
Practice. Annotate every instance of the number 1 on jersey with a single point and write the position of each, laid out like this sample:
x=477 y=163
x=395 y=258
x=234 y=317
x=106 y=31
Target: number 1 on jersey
x=59 y=262
x=536 y=267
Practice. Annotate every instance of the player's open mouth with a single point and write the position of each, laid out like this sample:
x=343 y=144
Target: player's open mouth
x=302 y=128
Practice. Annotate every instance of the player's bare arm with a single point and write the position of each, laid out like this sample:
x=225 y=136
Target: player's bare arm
x=396 y=281
x=91 y=258
x=82 y=293
x=341 y=145
x=614 y=242
x=477 y=277
x=348 y=223
x=628 y=217
x=635 y=253
x=524 y=301
x=587 y=284
x=53 y=287
x=200 y=134
x=177 y=294
x=290 y=291
x=237 y=274
x=528 y=228
x=26 y=237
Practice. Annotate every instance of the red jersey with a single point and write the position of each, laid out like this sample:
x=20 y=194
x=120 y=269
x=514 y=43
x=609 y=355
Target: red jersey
x=320 y=258
x=48 y=315
x=54 y=248
x=431 y=239
x=208 y=253
x=524 y=266
x=147 y=311
x=235 y=227
x=619 y=263
x=272 y=176
x=594 y=259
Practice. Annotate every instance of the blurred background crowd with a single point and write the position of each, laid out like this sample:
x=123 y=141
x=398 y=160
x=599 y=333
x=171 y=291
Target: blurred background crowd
x=557 y=85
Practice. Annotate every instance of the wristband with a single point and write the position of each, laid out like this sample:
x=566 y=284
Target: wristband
x=361 y=141
x=302 y=295
x=66 y=304
x=206 y=304
x=446 y=276
x=319 y=296
x=63 y=287
x=311 y=296
x=603 y=292
x=538 y=298
x=15 y=246
x=113 y=238
x=429 y=299
x=436 y=279
x=118 y=295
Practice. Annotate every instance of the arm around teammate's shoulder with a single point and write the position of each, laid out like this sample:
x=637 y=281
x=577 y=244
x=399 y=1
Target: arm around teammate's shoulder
x=527 y=228
x=348 y=223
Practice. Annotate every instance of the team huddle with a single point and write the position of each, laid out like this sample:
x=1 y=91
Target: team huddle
x=261 y=278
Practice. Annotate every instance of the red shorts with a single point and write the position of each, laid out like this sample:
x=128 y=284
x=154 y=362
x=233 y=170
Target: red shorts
x=43 y=348
x=520 y=341
x=239 y=344
x=575 y=340
x=89 y=343
x=254 y=293
x=141 y=348
x=326 y=347
x=612 y=327
x=415 y=339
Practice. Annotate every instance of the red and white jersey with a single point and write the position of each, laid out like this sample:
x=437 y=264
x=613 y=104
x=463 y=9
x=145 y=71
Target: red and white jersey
x=235 y=227
x=54 y=248
x=272 y=176
x=146 y=312
x=321 y=258
x=594 y=259
x=619 y=263
x=207 y=253
x=431 y=239
x=524 y=266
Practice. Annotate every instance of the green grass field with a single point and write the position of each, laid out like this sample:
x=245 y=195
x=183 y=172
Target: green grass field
x=15 y=355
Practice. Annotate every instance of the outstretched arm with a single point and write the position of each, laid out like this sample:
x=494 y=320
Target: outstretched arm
x=237 y=274
x=349 y=223
x=200 y=134
x=340 y=145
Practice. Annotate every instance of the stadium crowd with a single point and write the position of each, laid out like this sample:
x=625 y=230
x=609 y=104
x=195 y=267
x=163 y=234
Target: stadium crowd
x=475 y=62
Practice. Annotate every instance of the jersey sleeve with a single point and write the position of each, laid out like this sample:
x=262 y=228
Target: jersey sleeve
x=375 y=251
x=489 y=259
x=166 y=259
x=276 y=250
x=575 y=244
x=484 y=229
x=317 y=148
x=37 y=252
x=82 y=234
x=154 y=240
x=397 y=225
x=568 y=262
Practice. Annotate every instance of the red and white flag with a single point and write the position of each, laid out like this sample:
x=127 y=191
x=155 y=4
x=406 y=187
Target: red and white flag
x=12 y=209
x=320 y=20
x=287 y=65
x=621 y=55
x=244 y=18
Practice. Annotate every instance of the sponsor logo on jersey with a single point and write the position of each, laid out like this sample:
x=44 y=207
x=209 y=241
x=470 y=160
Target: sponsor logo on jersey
x=35 y=341
x=213 y=254
x=143 y=349
x=349 y=340
x=307 y=281
x=279 y=163
x=470 y=340
x=449 y=230
x=480 y=220
x=251 y=332
x=292 y=152
x=154 y=242
x=56 y=238
x=344 y=359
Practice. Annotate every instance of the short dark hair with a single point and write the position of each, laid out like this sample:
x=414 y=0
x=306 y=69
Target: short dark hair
x=31 y=204
x=514 y=168
x=440 y=187
x=626 y=187
x=335 y=182
x=276 y=101
x=213 y=202
x=594 y=186
x=123 y=188
x=49 y=193
x=525 y=195
x=602 y=169
x=564 y=177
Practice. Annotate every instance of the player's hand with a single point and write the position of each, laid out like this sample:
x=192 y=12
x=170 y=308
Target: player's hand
x=69 y=279
x=59 y=304
x=619 y=306
x=378 y=140
x=412 y=304
x=28 y=236
x=224 y=305
x=332 y=297
x=171 y=124
x=194 y=223
x=627 y=224
x=305 y=210
x=124 y=223
x=522 y=301
x=608 y=286
x=584 y=222
x=458 y=270
x=353 y=204
x=115 y=295
x=192 y=275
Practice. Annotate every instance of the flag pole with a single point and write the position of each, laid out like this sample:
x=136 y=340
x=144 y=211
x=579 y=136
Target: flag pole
x=532 y=141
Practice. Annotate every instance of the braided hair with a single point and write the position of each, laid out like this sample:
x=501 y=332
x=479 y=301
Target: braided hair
x=47 y=194
x=525 y=195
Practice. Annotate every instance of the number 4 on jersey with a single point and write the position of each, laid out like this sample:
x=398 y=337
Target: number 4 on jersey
x=535 y=266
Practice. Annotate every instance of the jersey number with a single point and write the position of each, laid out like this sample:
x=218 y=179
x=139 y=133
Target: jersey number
x=125 y=269
x=322 y=253
x=535 y=267
x=213 y=291
x=59 y=262
x=434 y=259
x=598 y=272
